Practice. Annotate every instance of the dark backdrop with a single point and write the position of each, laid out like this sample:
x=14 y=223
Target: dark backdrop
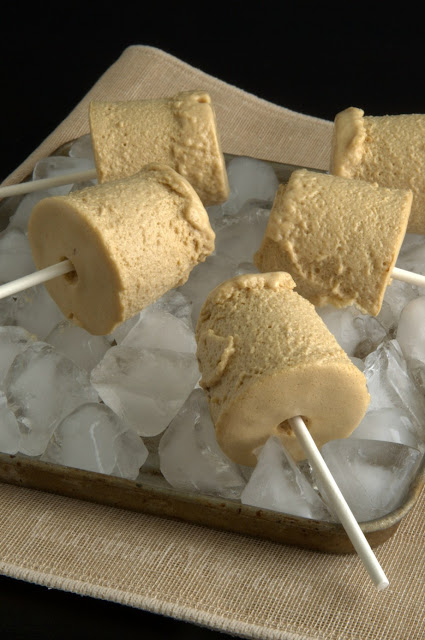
x=310 y=57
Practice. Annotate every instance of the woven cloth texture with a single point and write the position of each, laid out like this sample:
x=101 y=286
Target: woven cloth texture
x=241 y=585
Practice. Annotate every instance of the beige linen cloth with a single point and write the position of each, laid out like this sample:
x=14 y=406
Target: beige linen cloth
x=247 y=587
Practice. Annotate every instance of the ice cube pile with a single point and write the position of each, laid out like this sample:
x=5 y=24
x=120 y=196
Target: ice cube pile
x=89 y=402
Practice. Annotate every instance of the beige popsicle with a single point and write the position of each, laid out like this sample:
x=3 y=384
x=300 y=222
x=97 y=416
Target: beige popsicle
x=338 y=238
x=129 y=241
x=388 y=150
x=180 y=132
x=266 y=356
x=269 y=367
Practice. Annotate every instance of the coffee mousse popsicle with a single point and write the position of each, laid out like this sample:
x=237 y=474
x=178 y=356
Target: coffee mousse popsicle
x=266 y=356
x=339 y=238
x=127 y=241
x=271 y=367
x=180 y=131
x=388 y=150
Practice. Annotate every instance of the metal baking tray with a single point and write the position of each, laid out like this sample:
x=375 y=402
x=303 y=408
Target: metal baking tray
x=151 y=494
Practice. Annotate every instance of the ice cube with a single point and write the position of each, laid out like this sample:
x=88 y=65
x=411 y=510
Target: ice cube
x=42 y=386
x=411 y=330
x=340 y=323
x=412 y=254
x=175 y=303
x=238 y=237
x=391 y=386
x=373 y=476
x=145 y=387
x=92 y=437
x=131 y=455
x=417 y=371
x=249 y=179
x=156 y=329
x=53 y=166
x=411 y=337
x=8 y=311
x=83 y=148
x=390 y=425
x=172 y=302
x=190 y=458
x=205 y=277
x=13 y=340
x=9 y=429
x=15 y=255
x=356 y=333
x=278 y=484
x=37 y=312
x=372 y=333
x=77 y=344
x=397 y=295
x=119 y=333
x=20 y=218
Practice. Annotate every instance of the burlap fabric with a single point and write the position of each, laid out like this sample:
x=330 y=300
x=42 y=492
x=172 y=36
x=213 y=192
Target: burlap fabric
x=237 y=584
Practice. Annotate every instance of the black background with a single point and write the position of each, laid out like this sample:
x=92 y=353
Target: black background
x=314 y=58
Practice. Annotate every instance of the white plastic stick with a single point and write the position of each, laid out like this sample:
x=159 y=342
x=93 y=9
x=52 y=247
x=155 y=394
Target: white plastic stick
x=408 y=276
x=46 y=183
x=338 y=503
x=55 y=270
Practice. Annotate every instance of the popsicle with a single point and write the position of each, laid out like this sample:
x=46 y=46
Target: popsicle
x=388 y=150
x=127 y=241
x=180 y=131
x=266 y=356
x=338 y=238
x=270 y=367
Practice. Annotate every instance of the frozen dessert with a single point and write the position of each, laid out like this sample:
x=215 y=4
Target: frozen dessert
x=338 y=238
x=130 y=241
x=180 y=132
x=266 y=356
x=388 y=150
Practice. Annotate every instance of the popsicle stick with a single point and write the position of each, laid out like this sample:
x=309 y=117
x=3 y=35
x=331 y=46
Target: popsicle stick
x=408 y=276
x=46 y=183
x=339 y=504
x=31 y=280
